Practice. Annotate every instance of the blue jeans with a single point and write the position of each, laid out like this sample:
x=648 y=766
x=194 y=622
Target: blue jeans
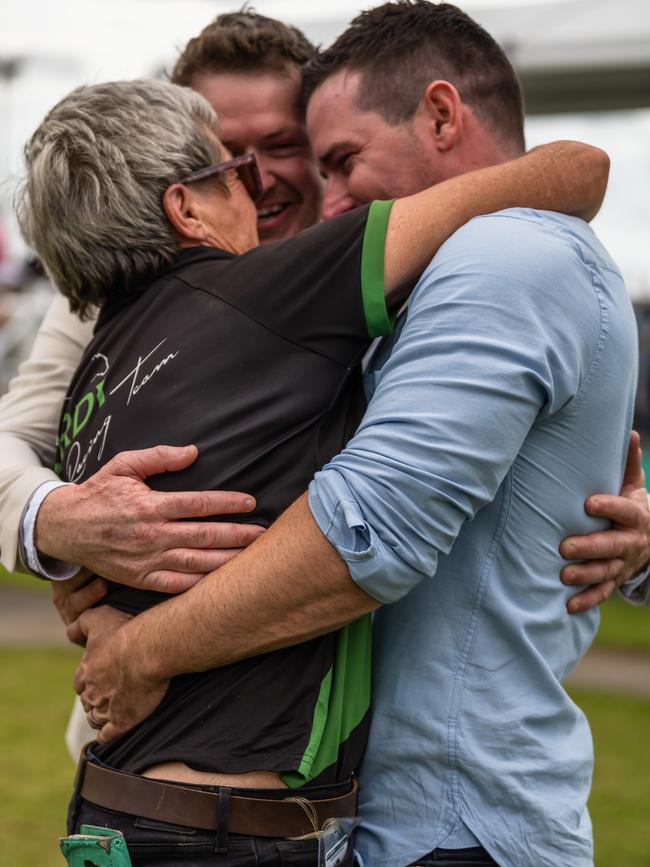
x=157 y=844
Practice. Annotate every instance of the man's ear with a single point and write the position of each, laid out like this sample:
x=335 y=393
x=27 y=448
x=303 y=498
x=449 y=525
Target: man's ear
x=442 y=108
x=180 y=208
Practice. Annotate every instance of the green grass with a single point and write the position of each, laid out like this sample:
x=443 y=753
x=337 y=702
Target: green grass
x=620 y=800
x=36 y=772
x=623 y=626
x=24 y=582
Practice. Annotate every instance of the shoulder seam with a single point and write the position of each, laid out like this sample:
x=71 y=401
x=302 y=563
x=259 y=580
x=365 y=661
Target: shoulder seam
x=604 y=320
x=228 y=303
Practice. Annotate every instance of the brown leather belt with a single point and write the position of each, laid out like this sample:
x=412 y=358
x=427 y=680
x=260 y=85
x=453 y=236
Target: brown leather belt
x=193 y=808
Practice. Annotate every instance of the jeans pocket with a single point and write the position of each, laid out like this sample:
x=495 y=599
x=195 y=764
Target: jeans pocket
x=304 y=853
x=175 y=832
x=297 y=853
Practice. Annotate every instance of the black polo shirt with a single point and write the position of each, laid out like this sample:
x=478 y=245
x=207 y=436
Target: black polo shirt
x=255 y=359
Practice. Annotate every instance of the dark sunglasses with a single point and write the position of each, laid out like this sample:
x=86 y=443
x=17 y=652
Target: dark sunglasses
x=247 y=172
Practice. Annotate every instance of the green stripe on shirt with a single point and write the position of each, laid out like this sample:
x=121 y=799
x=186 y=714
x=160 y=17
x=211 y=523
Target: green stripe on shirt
x=343 y=702
x=372 y=269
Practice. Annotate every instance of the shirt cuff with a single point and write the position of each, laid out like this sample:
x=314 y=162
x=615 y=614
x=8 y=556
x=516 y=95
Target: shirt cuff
x=374 y=565
x=637 y=588
x=56 y=570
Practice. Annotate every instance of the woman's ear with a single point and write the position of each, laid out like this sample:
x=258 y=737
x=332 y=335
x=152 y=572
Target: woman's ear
x=180 y=207
x=441 y=106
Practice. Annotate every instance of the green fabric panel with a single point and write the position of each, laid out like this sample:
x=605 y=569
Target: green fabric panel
x=372 y=269
x=321 y=712
x=343 y=701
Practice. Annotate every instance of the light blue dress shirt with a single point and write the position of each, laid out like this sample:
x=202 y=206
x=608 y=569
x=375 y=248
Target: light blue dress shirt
x=506 y=400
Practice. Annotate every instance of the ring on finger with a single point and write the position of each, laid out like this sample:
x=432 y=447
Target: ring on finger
x=93 y=721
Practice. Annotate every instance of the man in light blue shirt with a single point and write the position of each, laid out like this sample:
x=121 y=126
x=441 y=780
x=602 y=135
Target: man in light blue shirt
x=507 y=397
x=505 y=400
x=496 y=354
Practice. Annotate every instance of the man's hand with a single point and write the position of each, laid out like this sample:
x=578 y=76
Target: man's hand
x=247 y=608
x=114 y=693
x=74 y=596
x=116 y=526
x=613 y=556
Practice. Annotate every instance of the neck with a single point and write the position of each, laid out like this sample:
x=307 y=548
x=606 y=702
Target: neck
x=481 y=148
x=235 y=246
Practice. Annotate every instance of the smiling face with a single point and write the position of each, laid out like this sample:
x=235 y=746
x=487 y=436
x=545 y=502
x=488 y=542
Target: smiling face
x=258 y=114
x=362 y=156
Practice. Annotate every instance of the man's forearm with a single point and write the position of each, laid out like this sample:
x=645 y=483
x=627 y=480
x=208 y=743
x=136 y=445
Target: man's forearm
x=563 y=176
x=288 y=587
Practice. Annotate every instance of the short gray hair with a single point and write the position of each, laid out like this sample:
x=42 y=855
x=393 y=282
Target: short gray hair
x=97 y=169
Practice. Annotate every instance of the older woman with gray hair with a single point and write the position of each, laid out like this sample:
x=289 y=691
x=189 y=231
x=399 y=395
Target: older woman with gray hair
x=103 y=172
x=252 y=353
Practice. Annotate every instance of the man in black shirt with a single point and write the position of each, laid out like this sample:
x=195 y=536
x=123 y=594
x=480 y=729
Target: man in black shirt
x=253 y=354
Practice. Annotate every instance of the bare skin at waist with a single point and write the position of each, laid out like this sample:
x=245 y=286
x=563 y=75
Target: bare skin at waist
x=178 y=772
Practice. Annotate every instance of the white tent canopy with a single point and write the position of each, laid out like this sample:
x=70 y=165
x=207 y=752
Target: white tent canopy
x=574 y=55
x=577 y=56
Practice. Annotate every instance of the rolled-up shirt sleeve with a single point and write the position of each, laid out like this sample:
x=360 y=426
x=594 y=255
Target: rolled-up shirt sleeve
x=637 y=589
x=501 y=330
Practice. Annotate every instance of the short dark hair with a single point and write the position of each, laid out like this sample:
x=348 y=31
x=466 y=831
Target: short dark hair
x=242 y=41
x=400 y=47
